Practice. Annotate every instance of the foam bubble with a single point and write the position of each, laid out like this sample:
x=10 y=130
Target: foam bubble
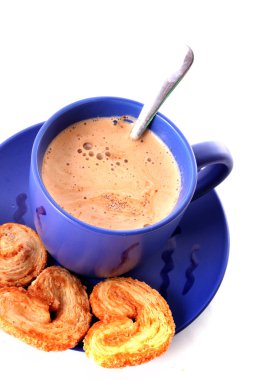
x=87 y=146
x=99 y=156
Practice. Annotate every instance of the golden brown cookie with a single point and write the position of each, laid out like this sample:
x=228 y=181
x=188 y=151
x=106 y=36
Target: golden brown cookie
x=52 y=315
x=135 y=326
x=22 y=255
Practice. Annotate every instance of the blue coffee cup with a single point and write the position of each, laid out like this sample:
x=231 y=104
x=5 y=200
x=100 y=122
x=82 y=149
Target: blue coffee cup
x=100 y=252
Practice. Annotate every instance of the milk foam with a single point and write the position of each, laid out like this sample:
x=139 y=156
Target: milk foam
x=95 y=172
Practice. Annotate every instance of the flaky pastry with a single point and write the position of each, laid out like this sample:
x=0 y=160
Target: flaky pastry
x=22 y=255
x=53 y=314
x=135 y=326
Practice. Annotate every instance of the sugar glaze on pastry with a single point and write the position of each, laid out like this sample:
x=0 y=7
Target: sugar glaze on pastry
x=53 y=314
x=135 y=326
x=22 y=255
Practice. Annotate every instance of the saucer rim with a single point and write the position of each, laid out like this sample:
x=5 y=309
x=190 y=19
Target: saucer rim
x=15 y=135
x=223 y=268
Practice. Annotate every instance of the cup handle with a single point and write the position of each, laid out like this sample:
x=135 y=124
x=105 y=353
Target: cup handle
x=214 y=163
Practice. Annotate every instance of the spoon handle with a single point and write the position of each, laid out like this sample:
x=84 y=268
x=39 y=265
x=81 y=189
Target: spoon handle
x=149 y=110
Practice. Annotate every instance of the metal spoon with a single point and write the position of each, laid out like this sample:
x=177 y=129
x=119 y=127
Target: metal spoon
x=149 y=110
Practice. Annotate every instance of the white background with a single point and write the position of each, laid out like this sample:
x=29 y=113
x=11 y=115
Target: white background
x=55 y=52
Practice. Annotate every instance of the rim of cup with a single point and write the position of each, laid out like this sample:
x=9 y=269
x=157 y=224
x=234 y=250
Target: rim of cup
x=179 y=207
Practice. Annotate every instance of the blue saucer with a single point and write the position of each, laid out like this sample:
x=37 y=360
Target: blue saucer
x=190 y=270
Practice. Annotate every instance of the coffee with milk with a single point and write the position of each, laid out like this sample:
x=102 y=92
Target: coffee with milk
x=96 y=173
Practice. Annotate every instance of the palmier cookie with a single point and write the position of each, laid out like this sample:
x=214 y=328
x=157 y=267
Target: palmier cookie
x=135 y=326
x=53 y=314
x=22 y=255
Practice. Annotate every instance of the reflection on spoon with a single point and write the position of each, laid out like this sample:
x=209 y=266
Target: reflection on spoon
x=149 y=110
